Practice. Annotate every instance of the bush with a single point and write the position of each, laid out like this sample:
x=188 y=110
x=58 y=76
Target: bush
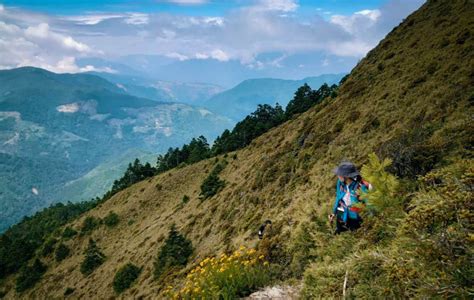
x=62 y=251
x=69 y=291
x=89 y=224
x=69 y=233
x=412 y=153
x=174 y=253
x=93 y=258
x=48 y=247
x=226 y=277
x=125 y=277
x=112 y=219
x=29 y=276
x=212 y=184
x=186 y=199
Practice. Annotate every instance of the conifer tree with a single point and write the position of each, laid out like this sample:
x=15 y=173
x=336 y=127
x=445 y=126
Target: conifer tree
x=93 y=258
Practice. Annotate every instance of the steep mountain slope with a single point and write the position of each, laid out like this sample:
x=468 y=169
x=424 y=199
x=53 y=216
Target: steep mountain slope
x=412 y=92
x=241 y=100
x=54 y=128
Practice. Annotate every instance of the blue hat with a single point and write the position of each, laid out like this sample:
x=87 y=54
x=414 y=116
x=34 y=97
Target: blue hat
x=346 y=169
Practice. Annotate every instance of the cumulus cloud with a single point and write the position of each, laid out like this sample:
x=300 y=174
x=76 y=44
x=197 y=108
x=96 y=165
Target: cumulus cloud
x=242 y=34
x=38 y=45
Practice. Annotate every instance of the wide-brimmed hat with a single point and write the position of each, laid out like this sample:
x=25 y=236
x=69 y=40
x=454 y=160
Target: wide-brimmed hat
x=346 y=169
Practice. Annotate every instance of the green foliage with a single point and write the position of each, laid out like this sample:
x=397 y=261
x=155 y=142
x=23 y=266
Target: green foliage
x=19 y=243
x=89 y=224
x=413 y=153
x=174 y=253
x=212 y=184
x=69 y=233
x=48 y=246
x=112 y=219
x=93 y=258
x=197 y=150
x=69 y=291
x=30 y=275
x=125 y=277
x=305 y=98
x=382 y=197
x=185 y=199
x=254 y=125
x=62 y=251
x=135 y=172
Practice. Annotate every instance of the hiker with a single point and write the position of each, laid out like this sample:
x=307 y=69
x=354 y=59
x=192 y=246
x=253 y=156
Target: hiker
x=348 y=190
x=261 y=230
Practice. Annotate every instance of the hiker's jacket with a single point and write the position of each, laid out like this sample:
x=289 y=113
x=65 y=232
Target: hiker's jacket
x=346 y=197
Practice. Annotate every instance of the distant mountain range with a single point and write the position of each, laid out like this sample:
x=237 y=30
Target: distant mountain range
x=235 y=103
x=56 y=128
x=159 y=90
x=227 y=73
x=238 y=102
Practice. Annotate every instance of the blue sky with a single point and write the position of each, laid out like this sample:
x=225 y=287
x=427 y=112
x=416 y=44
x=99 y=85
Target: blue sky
x=258 y=38
x=214 y=7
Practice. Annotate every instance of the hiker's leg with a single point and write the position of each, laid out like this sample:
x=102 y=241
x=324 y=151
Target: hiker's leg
x=340 y=227
x=354 y=224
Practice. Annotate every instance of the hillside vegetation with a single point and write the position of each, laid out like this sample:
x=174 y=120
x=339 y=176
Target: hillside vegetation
x=404 y=115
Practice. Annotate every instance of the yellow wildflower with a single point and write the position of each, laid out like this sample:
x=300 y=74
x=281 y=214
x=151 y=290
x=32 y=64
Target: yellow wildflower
x=265 y=263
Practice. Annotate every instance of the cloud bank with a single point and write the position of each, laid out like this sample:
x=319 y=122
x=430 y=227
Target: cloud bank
x=242 y=34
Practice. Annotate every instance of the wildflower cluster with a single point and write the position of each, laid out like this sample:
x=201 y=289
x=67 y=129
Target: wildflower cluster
x=224 y=277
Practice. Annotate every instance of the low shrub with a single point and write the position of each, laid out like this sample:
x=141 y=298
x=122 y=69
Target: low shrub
x=212 y=184
x=30 y=275
x=69 y=291
x=62 y=251
x=226 y=277
x=89 y=224
x=111 y=220
x=69 y=233
x=48 y=247
x=186 y=199
x=125 y=277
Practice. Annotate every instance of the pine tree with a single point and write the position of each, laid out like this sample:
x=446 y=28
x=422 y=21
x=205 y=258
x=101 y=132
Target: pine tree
x=174 y=253
x=93 y=258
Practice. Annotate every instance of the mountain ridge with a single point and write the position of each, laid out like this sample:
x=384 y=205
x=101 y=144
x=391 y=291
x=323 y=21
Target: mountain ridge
x=70 y=123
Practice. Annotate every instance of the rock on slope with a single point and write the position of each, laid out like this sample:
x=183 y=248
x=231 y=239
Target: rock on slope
x=418 y=78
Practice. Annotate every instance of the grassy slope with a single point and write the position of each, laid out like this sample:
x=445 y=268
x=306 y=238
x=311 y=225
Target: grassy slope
x=420 y=75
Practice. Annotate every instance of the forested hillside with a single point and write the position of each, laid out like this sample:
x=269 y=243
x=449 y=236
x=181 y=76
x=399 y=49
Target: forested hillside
x=404 y=115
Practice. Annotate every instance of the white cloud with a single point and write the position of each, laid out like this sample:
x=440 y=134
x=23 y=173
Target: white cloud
x=42 y=34
x=137 y=19
x=219 y=55
x=278 y=5
x=360 y=20
x=243 y=34
x=178 y=56
x=92 y=19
